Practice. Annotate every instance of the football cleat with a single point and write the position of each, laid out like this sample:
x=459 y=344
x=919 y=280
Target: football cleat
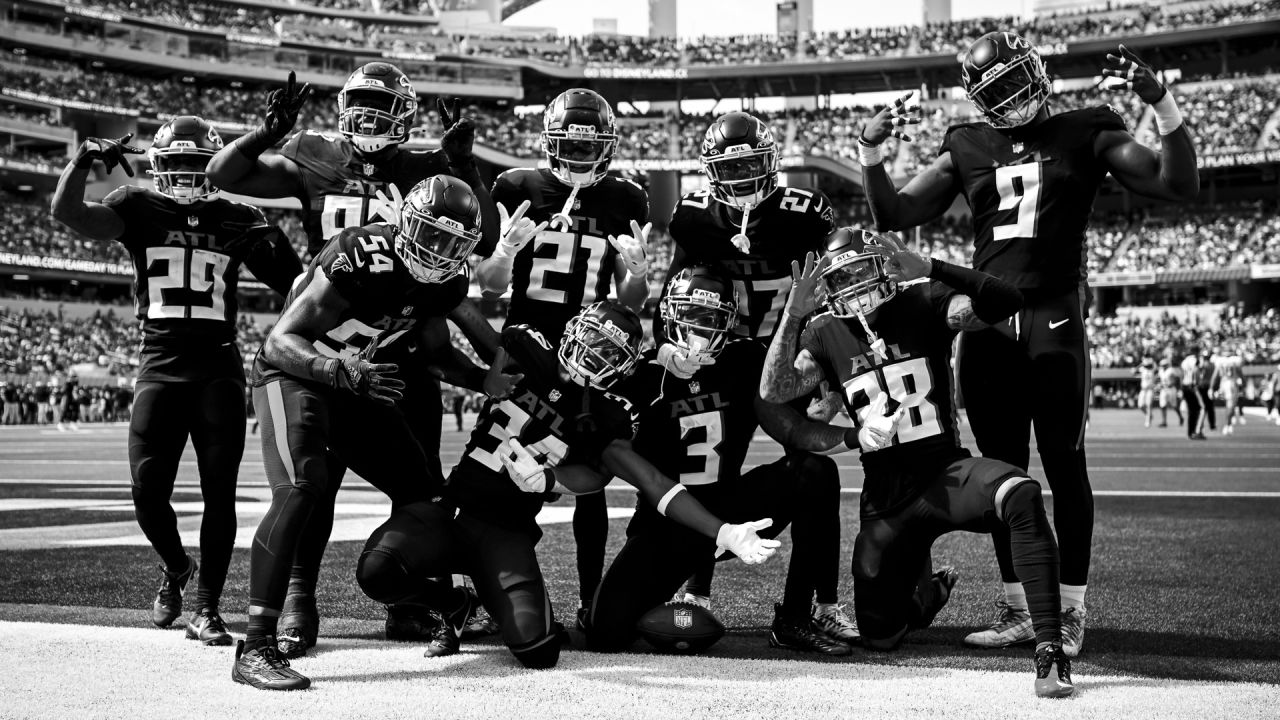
x=801 y=634
x=1012 y=627
x=481 y=625
x=410 y=623
x=584 y=619
x=299 y=625
x=835 y=624
x=264 y=668
x=702 y=601
x=1053 y=672
x=446 y=639
x=943 y=581
x=208 y=627
x=1073 y=631
x=168 y=603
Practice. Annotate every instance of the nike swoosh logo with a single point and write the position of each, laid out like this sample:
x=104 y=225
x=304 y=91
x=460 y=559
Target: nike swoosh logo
x=1053 y=325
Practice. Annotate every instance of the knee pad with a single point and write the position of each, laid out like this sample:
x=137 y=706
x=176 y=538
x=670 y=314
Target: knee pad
x=383 y=576
x=1018 y=496
x=541 y=654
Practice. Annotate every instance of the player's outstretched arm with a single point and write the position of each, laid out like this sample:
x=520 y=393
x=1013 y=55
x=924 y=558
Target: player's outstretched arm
x=983 y=299
x=91 y=219
x=790 y=428
x=672 y=500
x=483 y=338
x=631 y=270
x=788 y=373
x=240 y=167
x=289 y=347
x=925 y=197
x=1170 y=174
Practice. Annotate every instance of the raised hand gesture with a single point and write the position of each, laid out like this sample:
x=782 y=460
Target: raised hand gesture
x=283 y=105
x=804 y=285
x=1138 y=76
x=110 y=152
x=901 y=263
x=891 y=122
x=459 y=133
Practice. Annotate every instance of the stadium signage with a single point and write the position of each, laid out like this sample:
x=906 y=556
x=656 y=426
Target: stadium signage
x=226 y=125
x=635 y=73
x=23 y=165
x=253 y=40
x=57 y=263
x=419 y=57
x=92 y=13
x=1114 y=279
x=1243 y=158
x=1264 y=272
x=61 y=102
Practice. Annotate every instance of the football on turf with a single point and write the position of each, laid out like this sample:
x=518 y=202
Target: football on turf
x=680 y=627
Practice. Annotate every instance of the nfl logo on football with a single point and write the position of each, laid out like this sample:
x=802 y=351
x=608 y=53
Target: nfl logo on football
x=684 y=618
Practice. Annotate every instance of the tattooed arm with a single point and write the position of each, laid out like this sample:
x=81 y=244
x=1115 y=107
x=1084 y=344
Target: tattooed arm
x=792 y=429
x=983 y=300
x=788 y=374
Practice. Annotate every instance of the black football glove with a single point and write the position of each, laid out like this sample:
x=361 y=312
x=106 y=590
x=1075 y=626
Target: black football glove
x=283 y=105
x=459 y=134
x=110 y=152
x=375 y=381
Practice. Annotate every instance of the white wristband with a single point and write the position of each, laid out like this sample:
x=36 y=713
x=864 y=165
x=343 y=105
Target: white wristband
x=666 y=499
x=869 y=155
x=1168 y=118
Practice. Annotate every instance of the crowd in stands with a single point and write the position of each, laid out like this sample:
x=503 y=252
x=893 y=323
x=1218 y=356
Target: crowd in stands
x=933 y=38
x=1124 y=341
x=27 y=229
x=44 y=344
x=1203 y=237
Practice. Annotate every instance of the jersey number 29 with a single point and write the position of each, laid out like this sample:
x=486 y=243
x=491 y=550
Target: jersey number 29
x=193 y=286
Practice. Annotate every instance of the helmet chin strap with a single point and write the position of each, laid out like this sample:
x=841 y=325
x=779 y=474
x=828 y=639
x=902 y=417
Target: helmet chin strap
x=561 y=220
x=741 y=241
x=877 y=343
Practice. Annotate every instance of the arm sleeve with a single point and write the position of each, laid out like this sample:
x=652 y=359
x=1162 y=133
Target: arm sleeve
x=272 y=259
x=122 y=201
x=993 y=299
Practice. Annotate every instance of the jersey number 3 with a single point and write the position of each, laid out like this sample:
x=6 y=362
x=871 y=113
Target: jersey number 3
x=1024 y=195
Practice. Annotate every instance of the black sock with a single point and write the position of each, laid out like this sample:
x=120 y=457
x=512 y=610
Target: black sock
x=591 y=533
x=261 y=631
x=1035 y=558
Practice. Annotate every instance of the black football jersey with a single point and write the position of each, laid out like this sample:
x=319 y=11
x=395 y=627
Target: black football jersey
x=560 y=272
x=1031 y=193
x=340 y=187
x=558 y=421
x=385 y=302
x=788 y=224
x=916 y=374
x=186 y=264
x=699 y=431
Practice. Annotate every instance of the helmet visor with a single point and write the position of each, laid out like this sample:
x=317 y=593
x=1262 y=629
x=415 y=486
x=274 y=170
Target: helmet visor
x=1013 y=95
x=857 y=285
x=180 y=172
x=580 y=157
x=698 y=324
x=743 y=178
x=374 y=113
x=433 y=249
x=594 y=354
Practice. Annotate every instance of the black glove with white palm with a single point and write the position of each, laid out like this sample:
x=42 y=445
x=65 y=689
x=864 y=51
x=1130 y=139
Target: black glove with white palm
x=110 y=152
x=375 y=381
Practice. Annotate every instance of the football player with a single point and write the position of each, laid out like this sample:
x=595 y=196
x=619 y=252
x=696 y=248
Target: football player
x=890 y=351
x=1170 y=391
x=343 y=180
x=1030 y=177
x=320 y=385
x=187 y=246
x=1148 y=382
x=698 y=431
x=572 y=231
x=752 y=229
x=560 y=430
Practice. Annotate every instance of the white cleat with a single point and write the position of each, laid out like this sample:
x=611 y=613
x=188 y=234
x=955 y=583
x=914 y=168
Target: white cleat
x=1073 y=631
x=1013 y=626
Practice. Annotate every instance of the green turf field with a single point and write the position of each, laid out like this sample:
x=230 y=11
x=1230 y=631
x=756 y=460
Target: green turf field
x=1184 y=620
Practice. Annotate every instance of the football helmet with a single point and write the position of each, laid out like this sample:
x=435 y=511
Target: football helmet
x=699 y=310
x=1005 y=79
x=179 y=156
x=579 y=135
x=601 y=344
x=740 y=158
x=376 y=107
x=439 y=227
x=855 y=283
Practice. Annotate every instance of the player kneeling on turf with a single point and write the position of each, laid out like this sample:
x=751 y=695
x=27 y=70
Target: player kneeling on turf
x=560 y=431
x=890 y=349
x=698 y=429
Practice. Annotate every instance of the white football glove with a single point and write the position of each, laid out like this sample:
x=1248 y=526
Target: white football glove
x=526 y=472
x=680 y=363
x=631 y=248
x=742 y=540
x=877 y=429
x=387 y=208
x=515 y=230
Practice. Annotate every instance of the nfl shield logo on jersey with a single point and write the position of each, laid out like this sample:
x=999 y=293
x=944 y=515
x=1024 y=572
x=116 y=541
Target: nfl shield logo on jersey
x=408 y=310
x=684 y=618
x=192 y=220
x=370 y=169
x=554 y=395
x=695 y=387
